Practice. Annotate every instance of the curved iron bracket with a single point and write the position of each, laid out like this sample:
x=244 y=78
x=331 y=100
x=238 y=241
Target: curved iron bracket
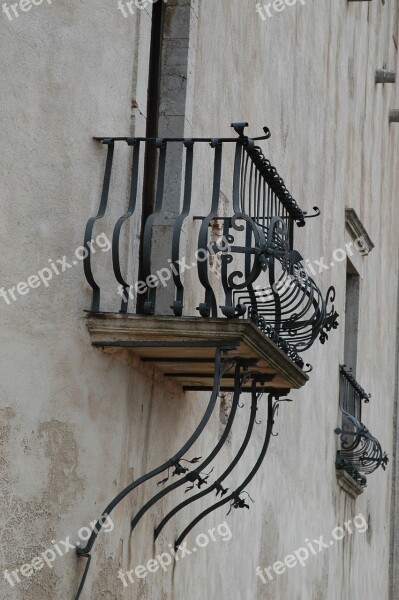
x=194 y=476
x=220 y=366
x=217 y=485
x=234 y=497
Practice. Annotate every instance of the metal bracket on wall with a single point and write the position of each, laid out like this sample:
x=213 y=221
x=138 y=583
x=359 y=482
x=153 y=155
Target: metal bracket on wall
x=194 y=477
x=217 y=485
x=235 y=499
x=222 y=362
x=197 y=477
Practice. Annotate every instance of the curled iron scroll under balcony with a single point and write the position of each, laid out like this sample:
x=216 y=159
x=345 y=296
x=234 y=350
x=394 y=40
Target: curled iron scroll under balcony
x=360 y=453
x=243 y=373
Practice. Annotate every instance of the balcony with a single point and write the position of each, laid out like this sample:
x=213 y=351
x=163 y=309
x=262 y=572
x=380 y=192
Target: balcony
x=360 y=453
x=232 y=269
x=216 y=301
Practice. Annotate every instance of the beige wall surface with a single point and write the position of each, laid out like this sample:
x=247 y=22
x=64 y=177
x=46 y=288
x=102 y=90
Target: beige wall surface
x=77 y=425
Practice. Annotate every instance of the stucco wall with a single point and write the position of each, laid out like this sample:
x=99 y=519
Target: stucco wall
x=76 y=424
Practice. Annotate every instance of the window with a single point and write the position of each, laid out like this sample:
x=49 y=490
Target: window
x=351 y=402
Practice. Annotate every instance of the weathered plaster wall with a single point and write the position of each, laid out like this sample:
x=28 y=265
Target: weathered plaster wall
x=77 y=424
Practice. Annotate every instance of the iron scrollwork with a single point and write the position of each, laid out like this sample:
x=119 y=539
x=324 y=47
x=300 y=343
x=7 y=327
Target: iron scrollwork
x=221 y=365
x=235 y=498
x=360 y=453
x=262 y=274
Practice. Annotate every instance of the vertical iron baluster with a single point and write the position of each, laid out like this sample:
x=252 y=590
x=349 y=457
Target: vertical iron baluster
x=209 y=305
x=269 y=194
x=341 y=392
x=258 y=193
x=237 y=176
x=177 y=305
x=246 y=185
x=150 y=304
x=250 y=190
x=264 y=200
x=272 y=203
x=248 y=244
x=255 y=195
x=285 y=217
x=350 y=398
x=244 y=161
x=291 y=232
x=117 y=230
x=248 y=228
x=95 y=306
x=276 y=296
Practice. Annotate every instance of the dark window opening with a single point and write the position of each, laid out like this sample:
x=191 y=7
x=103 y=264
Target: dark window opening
x=351 y=402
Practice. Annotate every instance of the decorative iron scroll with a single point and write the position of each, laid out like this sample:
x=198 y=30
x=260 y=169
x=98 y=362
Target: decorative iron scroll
x=222 y=364
x=236 y=498
x=263 y=277
x=196 y=477
x=360 y=453
x=217 y=486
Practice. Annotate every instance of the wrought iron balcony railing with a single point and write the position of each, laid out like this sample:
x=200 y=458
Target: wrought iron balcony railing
x=261 y=276
x=360 y=453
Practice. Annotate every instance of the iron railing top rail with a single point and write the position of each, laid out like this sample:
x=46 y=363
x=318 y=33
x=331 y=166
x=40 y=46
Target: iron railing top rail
x=266 y=169
x=238 y=127
x=276 y=183
x=347 y=374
